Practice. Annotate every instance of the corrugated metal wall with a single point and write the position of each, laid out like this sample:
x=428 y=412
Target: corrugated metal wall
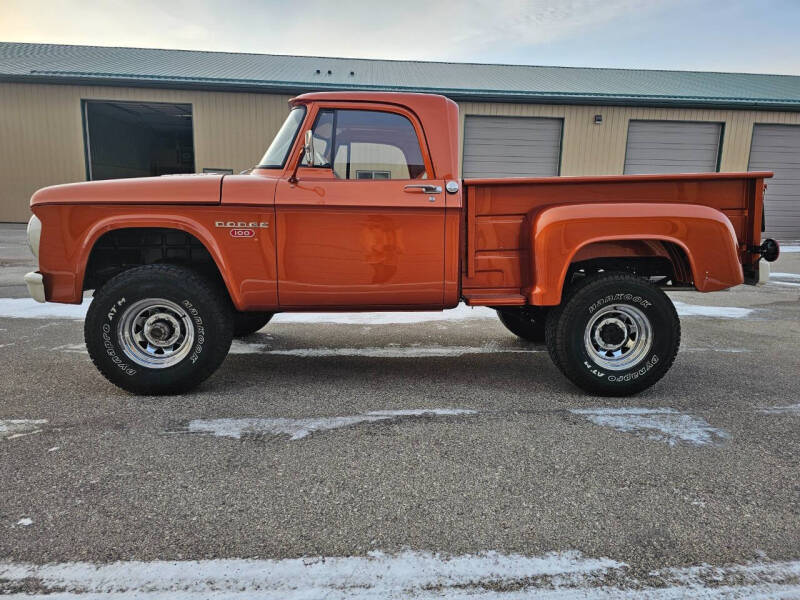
x=41 y=133
x=590 y=149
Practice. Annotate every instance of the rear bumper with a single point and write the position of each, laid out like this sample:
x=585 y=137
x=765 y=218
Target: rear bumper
x=35 y=283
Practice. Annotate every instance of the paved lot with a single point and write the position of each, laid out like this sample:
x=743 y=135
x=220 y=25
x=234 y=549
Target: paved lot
x=706 y=472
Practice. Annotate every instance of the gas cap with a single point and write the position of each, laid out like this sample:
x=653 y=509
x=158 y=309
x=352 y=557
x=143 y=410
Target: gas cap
x=451 y=186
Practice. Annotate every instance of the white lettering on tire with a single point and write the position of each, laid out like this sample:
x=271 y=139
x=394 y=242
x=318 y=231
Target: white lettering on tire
x=200 y=330
x=113 y=312
x=635 y=374
x=109 y=346
x=629 y=298
x=592 y=369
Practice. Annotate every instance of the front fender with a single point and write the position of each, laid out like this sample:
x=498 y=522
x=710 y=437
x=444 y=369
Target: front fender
x=559 y=232
x=70 y=232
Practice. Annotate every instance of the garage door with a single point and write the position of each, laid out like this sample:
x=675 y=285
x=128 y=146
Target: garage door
x=777 y=148
x=672 y=147
x=511 y=146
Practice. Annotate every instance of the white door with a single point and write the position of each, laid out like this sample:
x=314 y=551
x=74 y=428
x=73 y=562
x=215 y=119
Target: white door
x=672 y=147
x=777 y=148
x=511 y=146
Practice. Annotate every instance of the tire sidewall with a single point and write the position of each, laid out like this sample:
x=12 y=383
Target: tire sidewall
x=655 y=306
x=527 y=324
x=247 y=323
x=102 y=333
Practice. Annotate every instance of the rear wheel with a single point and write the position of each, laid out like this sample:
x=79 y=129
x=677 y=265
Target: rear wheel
x=158 y=329
x=245 y=323
x=526 y=322
x=614 y=334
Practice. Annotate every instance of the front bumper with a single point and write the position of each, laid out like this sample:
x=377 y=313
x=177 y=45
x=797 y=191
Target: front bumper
x=35 y=283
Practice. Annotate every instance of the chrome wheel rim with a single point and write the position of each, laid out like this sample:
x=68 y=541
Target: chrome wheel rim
x=618 y=337
x=155 y=333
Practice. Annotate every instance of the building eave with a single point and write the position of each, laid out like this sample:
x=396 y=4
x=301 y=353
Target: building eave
x=458 y=94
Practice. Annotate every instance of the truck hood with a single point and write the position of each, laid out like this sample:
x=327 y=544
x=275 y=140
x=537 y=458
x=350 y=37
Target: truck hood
x=168 y=189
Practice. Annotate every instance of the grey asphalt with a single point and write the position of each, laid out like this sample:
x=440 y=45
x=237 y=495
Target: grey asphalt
x=112 y=476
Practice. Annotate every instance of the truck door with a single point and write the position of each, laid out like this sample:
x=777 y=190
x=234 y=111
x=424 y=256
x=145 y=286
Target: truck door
x=363 y=225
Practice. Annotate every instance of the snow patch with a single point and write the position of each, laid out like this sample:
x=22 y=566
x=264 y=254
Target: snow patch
x=723 y=350
x=28 y=308
x=719 y=312
x=790 y=249
x=406 y=575
x=76 y=348
x=390 y=351
x=14 y=428
x=239 y=347
x=297 y=429
x=25 y=522
x=659 y=424
x=790 y=409
x=785 y=275
x=375 y=576
x=461 y=313
x=748 y=575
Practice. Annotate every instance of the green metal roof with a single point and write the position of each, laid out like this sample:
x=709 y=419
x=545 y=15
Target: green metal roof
x=461 y=81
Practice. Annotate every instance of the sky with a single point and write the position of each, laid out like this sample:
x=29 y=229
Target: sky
x=707 y=35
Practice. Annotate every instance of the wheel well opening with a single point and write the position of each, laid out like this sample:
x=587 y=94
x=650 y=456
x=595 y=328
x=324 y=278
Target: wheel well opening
x=662 y=263
x=122 y=249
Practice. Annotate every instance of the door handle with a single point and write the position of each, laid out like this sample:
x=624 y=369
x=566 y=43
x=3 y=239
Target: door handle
x=423 y=188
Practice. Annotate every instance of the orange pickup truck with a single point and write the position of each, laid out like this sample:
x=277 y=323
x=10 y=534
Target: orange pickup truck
x=357 y=206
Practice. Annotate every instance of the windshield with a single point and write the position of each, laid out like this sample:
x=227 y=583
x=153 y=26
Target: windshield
x=275 y=156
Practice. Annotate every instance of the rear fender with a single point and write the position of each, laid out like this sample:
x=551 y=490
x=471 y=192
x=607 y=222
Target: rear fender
x=558 y=233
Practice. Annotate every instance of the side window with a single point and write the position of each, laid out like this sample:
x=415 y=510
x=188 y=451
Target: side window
x=368 y=145
x=322 y=132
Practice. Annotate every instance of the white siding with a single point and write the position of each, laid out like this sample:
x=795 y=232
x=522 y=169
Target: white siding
x=672 y=147
x=777 y=148
x=511 y=146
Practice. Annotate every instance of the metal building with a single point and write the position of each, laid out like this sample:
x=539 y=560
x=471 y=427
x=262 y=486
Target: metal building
x=71 y=113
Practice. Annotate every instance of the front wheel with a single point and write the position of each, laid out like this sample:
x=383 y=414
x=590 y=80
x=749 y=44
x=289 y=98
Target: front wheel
x=158 y=329
x=614 y=334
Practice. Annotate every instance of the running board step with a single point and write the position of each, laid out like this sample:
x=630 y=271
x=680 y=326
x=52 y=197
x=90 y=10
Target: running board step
x=494 y=299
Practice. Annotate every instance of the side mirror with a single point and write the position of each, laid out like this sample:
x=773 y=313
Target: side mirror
x=306 y=151
x=308 y=146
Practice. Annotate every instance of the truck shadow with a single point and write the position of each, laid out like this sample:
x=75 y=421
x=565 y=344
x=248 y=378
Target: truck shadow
x=529 y=370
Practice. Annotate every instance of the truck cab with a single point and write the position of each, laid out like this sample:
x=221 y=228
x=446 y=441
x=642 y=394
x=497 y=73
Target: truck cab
x=361 y=201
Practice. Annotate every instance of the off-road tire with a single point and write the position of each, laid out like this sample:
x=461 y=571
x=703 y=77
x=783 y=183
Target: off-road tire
x=526 y=322
x=568 y=340
x=203 y=306
x=245 y=323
